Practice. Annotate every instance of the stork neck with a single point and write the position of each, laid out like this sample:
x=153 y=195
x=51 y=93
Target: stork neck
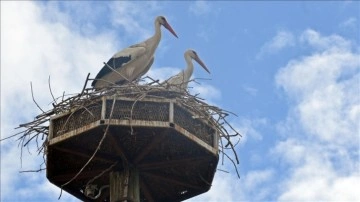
x=189 y=68
x=157 y=30
x=153 y=41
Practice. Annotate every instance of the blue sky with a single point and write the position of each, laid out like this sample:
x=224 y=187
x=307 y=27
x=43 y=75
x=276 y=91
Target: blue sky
x=289 y=70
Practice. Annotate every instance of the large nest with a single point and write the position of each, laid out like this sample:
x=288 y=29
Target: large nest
x=38 y=129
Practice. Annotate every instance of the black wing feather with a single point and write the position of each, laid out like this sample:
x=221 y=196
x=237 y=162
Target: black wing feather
x=114 y=63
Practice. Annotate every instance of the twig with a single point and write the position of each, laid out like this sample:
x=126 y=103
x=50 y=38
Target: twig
x=32 y=95
x=87 y=79
x=19 y=133
x=102 y=173
x=32 y=171
x=112 y=69
x=233 y=164
x=222 y=170
x=51 y=91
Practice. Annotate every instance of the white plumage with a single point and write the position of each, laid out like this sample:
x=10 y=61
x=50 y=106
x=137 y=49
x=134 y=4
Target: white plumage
x=132 y=62
x=180 y=81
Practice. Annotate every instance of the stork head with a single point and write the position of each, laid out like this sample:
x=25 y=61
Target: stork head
x=195 y=56
x=162 y=20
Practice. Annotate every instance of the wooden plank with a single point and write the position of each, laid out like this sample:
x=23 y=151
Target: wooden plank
x=145 y=99
x=136 y=123
x=117 y=122
x=154 y=142
x=73 y=133
x=88 y=153
x=195 y=116
x=87 y=175
x=195 y=139
x=171 y=163
x=116 y=144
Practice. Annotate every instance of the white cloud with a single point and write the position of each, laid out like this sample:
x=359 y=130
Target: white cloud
x=281 y=40
x=222 y=189
x=206 y=91
x=249 y=128
x=329 y=43
x=255 y=178
x=136 y=21
x=17 y=186
x=252 y=186
x=314 y=175
x=349 y=23
x=199 y=8
x=324 y=88
x=250 y=90
x=162 y=73
x=321 y=146
x=132 y=18
x=34 y=47
x=204 y=34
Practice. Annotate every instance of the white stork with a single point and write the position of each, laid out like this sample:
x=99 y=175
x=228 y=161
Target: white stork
x=132 y=62
x=181 y=80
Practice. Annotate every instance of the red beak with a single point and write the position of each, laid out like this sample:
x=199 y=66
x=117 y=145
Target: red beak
x=168 y=27
x=197 y=59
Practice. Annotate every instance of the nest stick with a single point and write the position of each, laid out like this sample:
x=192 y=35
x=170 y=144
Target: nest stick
x=32 y=95
x=102 y=173
x=52 y=95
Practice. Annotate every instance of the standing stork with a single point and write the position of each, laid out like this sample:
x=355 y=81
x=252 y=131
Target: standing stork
x=180 y=81
x=132 y=62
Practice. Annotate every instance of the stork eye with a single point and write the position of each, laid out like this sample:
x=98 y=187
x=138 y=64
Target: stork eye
x=162 y=18
x=194 y=52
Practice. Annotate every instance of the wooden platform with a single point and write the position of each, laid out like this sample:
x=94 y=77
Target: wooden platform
x=175 y=153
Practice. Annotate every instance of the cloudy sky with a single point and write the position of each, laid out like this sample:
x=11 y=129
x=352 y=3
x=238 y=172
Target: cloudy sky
x=289 y=70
